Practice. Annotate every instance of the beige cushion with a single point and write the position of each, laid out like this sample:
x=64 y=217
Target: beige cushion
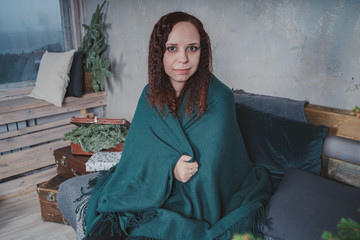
x=53 y=77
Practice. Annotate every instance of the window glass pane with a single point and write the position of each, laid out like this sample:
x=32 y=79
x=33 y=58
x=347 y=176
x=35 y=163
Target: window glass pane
x=27 y=29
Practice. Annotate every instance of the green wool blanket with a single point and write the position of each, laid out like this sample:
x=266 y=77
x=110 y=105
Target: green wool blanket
x=141 y=197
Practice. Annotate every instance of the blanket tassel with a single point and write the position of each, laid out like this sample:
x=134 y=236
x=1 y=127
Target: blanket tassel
x=256 y=220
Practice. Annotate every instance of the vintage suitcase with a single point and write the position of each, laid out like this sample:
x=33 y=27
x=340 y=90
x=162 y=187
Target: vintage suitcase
x=80 y=121
x=69 y=165
x=47 y=192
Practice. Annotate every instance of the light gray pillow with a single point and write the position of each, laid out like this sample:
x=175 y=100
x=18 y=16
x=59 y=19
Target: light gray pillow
x=53 y=77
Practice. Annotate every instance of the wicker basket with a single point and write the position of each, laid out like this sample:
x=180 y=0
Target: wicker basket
x=88 y=82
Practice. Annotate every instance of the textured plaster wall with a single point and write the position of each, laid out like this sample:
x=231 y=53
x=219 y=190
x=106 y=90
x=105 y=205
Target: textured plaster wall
x=305 y=50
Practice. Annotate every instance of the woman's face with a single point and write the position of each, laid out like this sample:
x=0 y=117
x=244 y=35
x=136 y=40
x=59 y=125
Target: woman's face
x=182 y=56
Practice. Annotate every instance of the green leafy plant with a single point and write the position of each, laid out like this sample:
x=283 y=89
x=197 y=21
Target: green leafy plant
x=356 y=112
x=97 y=137
x=247 y=236
x=348 y=229
x=94 y=48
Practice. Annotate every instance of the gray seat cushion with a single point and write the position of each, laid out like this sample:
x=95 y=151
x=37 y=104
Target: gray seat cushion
x=305 y=205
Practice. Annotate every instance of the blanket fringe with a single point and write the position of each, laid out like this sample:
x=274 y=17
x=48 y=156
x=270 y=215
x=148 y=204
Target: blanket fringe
x=140 y=238
x=255 y=220
x=85 y=196
x=140 y=218
x=133 y=220
x=106 y=219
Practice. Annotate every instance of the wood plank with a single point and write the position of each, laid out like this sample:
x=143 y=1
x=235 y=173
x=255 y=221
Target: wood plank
x=341 y=171
x=26 y=102
x=10 y=127
x=49 y=110
x=25 y=184
x=35 y=138
x=21 y=104
x=7 y=94
x=20 y=218
x=36 y=128
x=29 y=159
x=340 y=122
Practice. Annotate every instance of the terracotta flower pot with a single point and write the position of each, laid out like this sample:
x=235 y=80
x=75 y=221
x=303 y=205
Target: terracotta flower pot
x=88 y=82
x=77 y=150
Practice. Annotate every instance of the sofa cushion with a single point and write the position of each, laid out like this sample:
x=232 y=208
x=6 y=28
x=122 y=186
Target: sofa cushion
x=278 y=143
x=278 y=106
x=76 y=83
x=305 y=205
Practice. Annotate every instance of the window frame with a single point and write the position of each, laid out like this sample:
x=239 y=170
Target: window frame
x=71 y=12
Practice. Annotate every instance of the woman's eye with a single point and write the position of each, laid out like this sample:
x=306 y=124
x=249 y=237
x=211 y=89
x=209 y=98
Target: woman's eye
x=171 y=49
x=193 y=48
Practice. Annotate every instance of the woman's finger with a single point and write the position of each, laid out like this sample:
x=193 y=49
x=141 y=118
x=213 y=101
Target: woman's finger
x=185 y=158
x=193 y=165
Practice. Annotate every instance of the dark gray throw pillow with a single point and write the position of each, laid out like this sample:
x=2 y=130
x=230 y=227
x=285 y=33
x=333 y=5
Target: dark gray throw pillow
x=305 y=205
x=75 y=87
x=278 y=143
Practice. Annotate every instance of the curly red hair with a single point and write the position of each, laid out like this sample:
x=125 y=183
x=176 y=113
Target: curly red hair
x=161 y=92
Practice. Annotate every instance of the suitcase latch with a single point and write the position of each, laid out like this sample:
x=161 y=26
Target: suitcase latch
x=76 y=173
x=49 y=196
x=63 y=161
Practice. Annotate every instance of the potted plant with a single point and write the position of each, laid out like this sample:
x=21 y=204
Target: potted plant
x=86 y=140
x=96 y=64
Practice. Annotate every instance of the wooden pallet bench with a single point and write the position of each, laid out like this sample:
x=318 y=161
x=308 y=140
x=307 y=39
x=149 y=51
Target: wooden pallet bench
x=30 y=130
x=343 y=124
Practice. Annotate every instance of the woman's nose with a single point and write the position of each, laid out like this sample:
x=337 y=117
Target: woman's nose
x=183 y=58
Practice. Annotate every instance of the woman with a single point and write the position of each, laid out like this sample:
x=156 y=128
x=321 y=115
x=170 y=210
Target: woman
x=184 y=171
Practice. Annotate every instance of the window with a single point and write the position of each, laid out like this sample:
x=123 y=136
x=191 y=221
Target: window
x=27 y=29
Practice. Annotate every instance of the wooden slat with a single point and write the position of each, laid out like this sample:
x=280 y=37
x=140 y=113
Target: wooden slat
x=50 y=110
x=29 y=159
x=340 y=122
x=25 y=184
x=35 y=138
x=7 y=94
x=29 y=102
x=36 y=128
x=341 y=171
x=21 y=104
x=24 y=111
x=20 y=218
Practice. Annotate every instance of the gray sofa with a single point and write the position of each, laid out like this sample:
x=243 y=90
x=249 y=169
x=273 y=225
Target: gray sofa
x=277 y=136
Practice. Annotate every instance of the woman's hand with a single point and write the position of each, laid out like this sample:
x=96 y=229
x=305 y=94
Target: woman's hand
x=184 y=170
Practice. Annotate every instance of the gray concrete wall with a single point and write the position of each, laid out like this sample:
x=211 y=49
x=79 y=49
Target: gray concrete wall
x=300 y=49
x=306 y=50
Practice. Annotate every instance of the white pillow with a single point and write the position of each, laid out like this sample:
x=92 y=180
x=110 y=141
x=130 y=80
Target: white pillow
x=53 y=77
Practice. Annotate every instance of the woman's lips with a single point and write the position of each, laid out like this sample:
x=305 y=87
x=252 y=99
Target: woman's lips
x=182 y=71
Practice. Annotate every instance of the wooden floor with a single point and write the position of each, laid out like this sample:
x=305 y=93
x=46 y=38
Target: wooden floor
x=20 y=219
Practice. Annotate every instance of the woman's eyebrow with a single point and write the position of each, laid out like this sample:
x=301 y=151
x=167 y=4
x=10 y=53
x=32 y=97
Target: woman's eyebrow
x=175 y=44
